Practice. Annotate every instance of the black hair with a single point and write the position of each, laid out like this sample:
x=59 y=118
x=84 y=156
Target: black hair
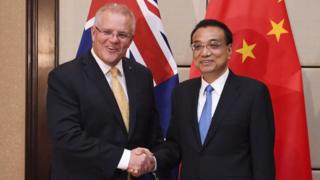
x=214 y=23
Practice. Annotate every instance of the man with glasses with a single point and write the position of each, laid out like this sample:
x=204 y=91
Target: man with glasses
x=101 y=107
x=222 y=124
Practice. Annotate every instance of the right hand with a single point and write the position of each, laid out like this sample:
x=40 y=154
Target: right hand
x=141 y=162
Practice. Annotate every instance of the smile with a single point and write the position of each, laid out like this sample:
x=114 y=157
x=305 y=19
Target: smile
x=111 y=49
x=205 y=62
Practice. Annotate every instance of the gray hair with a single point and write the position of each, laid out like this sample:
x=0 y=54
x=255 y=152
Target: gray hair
x=116 y=8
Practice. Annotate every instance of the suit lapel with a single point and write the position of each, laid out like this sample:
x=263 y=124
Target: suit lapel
x=194 y=96
x=228 y=97
x=131 y=89
x=96 y=75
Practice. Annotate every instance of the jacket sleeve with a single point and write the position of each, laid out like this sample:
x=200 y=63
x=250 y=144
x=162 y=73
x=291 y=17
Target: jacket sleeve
x=168 y=154
x=262 y=136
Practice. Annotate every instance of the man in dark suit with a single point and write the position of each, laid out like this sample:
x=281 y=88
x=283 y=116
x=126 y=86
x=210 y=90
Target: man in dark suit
x=222 y=125
x=101 y=106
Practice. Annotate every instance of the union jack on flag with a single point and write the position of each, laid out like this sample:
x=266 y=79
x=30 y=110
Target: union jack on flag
x=150 y=47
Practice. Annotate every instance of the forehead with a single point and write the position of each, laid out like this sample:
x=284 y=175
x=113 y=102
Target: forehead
x=114 y=20
x=209 y=33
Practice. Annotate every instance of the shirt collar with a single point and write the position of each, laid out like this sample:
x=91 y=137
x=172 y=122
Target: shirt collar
x=217 y=85
x=105 y=67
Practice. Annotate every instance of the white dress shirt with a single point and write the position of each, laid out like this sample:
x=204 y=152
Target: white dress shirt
x=217 y=85
x=125 y=158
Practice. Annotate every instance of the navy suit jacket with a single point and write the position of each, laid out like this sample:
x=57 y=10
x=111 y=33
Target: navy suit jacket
x=85 y=123
x=240 y=140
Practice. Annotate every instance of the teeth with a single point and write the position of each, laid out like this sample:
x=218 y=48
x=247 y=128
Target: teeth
x=112 y=49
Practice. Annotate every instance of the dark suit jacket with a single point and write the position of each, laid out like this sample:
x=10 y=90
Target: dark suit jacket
x=85 y=123
x=240 y=141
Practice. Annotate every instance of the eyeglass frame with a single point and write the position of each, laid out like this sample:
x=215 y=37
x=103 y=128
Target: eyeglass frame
x=119 y=35
x=212 y=44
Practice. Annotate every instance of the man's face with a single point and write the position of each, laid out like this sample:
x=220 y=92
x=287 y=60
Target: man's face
x=111 y=37
x=210 y=51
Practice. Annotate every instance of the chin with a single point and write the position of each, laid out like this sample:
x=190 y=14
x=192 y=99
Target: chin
x=207 y=69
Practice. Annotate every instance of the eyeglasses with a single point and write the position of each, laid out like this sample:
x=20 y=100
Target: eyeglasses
x=211 y=45
x=119 y=35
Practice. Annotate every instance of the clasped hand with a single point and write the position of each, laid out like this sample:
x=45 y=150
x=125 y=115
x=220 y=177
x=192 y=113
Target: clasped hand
x=141 y=161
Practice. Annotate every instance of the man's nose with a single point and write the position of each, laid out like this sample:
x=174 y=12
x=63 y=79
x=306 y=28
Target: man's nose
x=114 y=38
x=206 y=51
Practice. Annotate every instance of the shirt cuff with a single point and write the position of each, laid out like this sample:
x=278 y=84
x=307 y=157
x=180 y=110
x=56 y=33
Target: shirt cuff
x=155 y=163
x=124 y=161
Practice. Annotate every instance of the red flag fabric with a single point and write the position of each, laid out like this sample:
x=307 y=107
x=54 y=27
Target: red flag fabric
x=264 y=49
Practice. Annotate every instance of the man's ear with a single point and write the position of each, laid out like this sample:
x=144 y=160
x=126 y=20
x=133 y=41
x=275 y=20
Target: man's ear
x=229 y=50
x=93 y=33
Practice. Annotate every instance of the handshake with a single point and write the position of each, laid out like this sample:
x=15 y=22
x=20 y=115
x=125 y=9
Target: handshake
x=141 y=162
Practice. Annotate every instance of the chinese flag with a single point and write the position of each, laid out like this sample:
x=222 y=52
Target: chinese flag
x=264 y=49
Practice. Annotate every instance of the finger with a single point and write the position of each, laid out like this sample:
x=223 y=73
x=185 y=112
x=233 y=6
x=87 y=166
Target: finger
x=136 y=172
x=137 y=151
x=151 y=164
x=147 y=151
x=131 y=170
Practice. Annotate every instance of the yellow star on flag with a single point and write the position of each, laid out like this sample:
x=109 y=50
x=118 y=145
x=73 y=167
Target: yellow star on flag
x=279 y=1
x=246 y=50
x=277 y=29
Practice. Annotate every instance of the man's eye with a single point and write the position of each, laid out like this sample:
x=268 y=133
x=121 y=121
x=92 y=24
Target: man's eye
x=108 y=33
x=197 y=46
x=214 y=45
x=122 y=35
